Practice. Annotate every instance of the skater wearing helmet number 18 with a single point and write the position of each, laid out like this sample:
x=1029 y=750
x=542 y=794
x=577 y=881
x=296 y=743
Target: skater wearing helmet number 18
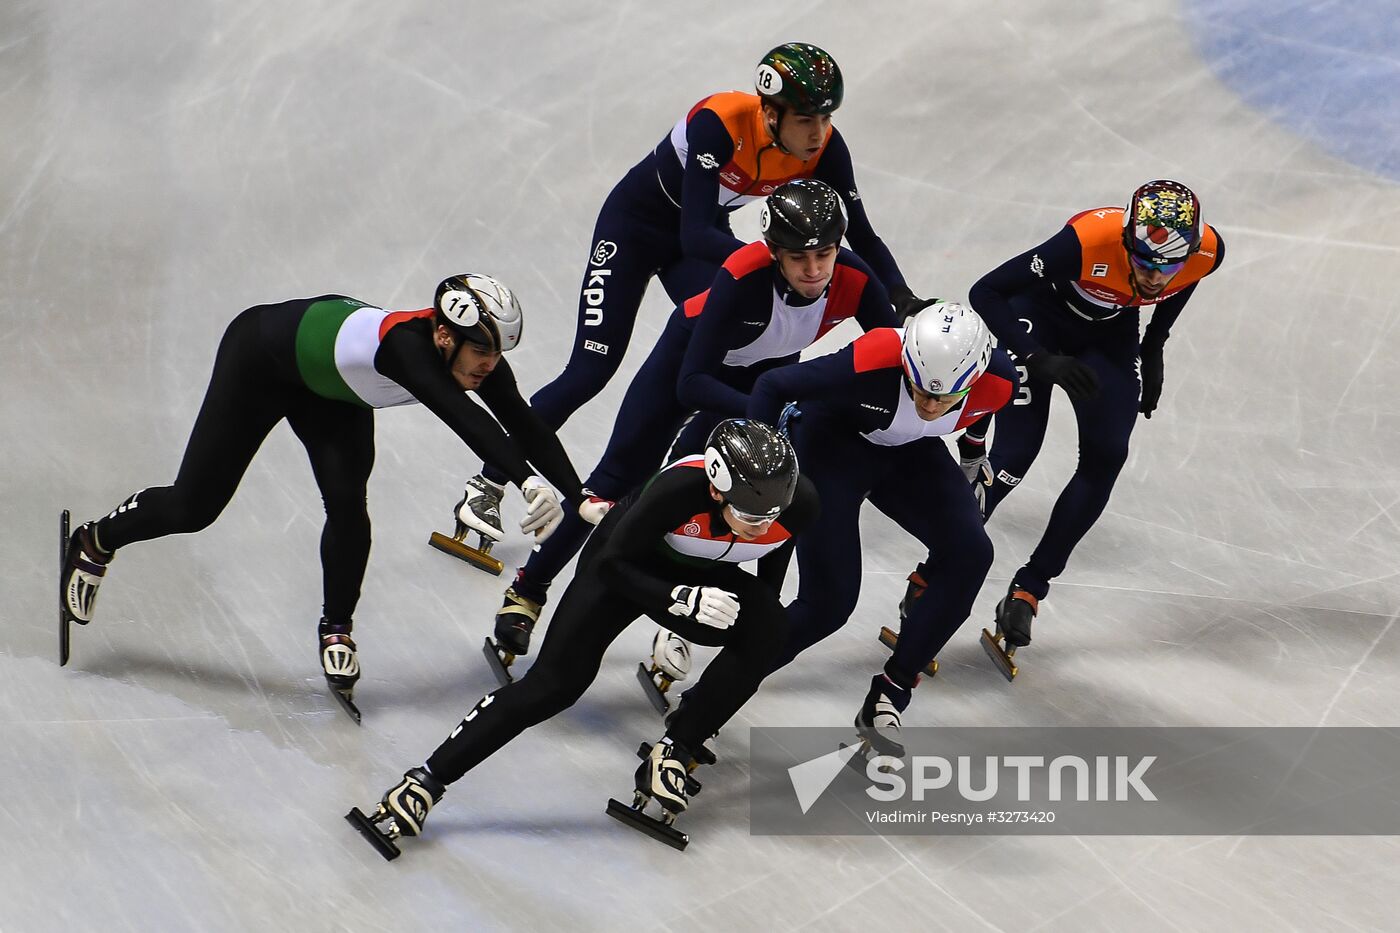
x=872 y=418
x=324 y=364
x=669 y=218
x=670 y=551
x=1068 y=310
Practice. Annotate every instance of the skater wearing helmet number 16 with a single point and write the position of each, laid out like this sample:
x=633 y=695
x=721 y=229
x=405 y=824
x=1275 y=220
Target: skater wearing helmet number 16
x=1068 y=310
x=669 y=218
x=324 y=364
x=670 y=551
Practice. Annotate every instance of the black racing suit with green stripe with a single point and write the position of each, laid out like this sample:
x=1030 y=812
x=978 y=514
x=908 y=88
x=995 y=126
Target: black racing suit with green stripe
x=256 y=383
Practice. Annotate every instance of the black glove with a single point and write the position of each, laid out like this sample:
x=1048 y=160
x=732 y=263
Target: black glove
x=907 y=304
x=1151 y=369
x=1079 y=381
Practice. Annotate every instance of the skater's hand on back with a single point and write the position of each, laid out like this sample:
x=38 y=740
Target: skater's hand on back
x=708 y=605
x=594 y=508
x=542 y=509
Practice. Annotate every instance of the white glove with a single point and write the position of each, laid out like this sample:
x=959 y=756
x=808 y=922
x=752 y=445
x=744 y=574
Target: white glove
x=543 y=513
x=978 y=471
x=708 y=605
x=593 y=508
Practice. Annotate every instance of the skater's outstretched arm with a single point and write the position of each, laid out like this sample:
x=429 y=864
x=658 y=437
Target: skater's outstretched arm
x=536 y=439
x=1055 y=260
x=826 y=377
x=836 y=170
x=409 y=359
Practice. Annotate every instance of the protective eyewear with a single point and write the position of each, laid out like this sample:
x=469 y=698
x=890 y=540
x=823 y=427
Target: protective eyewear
x=750 y=519
x=1148 y=264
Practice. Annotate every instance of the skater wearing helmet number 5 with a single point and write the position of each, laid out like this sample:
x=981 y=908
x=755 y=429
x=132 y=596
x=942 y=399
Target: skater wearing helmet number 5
x=871 y=422
x=1068 y=310
x=669 y=218
x=670 y=551
x=324 y=364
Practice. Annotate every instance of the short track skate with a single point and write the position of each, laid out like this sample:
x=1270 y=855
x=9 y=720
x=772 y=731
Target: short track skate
x=500 y=659
x=655 y=683
x=382 y=839
x=346 y=699
x=889 y=638
x=479 y=556
x=1000 y=653
x=660 y=828
x=64 y=616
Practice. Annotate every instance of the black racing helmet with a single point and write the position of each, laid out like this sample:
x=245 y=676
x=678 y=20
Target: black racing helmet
x=801 y=77
x=753 y=466
x=803 y=214
x=480 y=311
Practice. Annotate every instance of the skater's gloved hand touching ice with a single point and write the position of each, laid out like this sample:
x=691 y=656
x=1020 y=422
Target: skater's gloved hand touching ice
x=1078 y=380
x=480 y=508
x=708 y=605
x=542 y=509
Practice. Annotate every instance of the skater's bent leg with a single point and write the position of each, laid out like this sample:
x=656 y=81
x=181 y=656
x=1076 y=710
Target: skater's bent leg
x=941 y=513
x=1105 y=424
x=828 y=553
x=609 y=297
x=339 y=440
x=750 y=647
x=242 y=404
x=589 y=618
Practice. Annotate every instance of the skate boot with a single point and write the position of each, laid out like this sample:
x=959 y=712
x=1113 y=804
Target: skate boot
x=341 y=664
x=704 y=755
x=403 y=810
x=478 y=513
x=670 y=663
x=81 y=567
x=1014 y=615
x=877 y=723
x=663 y=777
x=515 y=620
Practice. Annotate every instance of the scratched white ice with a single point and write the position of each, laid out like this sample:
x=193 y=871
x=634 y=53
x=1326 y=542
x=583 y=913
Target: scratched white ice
x=167 y=164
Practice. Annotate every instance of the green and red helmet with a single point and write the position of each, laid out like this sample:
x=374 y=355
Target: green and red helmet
x=800 y=77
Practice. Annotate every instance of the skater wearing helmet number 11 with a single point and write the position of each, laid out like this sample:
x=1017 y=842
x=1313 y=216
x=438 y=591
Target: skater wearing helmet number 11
x=669 y=551
x=324 y=364
x=1068 y=310
x=669 y=218
x=871 y=426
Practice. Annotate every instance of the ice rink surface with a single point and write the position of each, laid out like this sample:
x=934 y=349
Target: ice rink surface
x=166 y=164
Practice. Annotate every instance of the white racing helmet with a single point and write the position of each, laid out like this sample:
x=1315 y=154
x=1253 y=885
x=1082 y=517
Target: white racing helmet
x=946 y=348
x=480 y=310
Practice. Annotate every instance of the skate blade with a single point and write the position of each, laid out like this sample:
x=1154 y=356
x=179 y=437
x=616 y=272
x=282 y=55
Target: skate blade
x=464 y=552
x=499 y=667
x=999 y=656
x=652 y=827
x=889 y=639
x=653 y=692
x=64 y=533
x=347 y=704
x=382 y=843
x=864 y=753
